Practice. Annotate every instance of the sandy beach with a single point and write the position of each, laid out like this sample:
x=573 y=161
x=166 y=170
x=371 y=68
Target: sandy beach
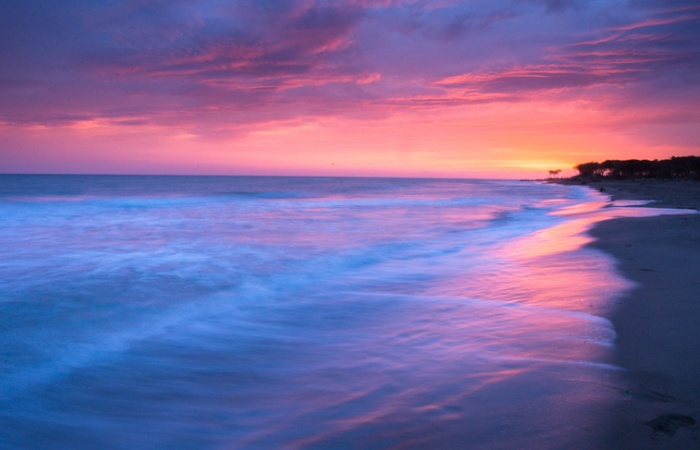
x=658 y=322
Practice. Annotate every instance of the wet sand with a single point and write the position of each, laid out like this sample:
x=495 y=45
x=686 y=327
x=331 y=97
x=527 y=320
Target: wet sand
x=658 y=322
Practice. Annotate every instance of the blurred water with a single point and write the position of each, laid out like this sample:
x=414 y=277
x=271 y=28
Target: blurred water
x=246 y=312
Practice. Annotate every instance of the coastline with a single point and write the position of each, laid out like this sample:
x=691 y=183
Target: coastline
x=657 y=322
x=682 y=194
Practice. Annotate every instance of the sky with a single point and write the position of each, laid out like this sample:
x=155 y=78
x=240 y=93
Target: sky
x=441 y=88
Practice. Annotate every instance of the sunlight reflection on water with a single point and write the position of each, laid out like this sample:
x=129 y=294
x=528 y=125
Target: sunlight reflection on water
x=303 y=313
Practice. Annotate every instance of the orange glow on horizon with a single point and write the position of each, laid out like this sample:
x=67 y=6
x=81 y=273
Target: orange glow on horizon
x=523 y=140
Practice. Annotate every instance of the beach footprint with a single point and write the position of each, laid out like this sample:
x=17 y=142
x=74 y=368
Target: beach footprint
x=670 y=423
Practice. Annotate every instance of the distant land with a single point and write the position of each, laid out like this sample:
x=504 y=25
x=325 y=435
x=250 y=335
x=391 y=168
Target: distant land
x=667 y=183
x=677 y=167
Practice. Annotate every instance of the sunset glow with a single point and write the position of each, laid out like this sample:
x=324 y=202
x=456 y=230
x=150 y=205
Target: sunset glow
x=501 y=89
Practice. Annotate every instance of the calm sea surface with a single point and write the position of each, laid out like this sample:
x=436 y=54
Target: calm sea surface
x=254 y=312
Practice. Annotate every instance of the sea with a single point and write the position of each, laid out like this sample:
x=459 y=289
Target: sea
x=187 y=312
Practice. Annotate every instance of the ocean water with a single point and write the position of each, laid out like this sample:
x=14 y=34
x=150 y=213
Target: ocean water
x=269 y=312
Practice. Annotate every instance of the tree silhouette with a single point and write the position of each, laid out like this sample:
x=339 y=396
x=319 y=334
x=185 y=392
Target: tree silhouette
x=678 y=167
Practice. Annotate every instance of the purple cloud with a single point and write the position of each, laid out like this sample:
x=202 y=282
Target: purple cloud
x=665 y=43
x=206 y=63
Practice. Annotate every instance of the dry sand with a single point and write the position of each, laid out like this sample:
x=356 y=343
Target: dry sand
x=664 y=193
x=658 y=322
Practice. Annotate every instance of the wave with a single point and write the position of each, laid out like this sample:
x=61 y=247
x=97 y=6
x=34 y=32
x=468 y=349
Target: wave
x=262 y=303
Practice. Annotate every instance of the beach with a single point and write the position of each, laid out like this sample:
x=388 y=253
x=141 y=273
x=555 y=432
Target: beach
x=656 y=322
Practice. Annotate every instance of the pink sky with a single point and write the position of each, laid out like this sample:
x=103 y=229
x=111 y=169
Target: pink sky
x=389 y=88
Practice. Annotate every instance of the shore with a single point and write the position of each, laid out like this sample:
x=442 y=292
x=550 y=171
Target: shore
x=663 y=193
x=658 y=322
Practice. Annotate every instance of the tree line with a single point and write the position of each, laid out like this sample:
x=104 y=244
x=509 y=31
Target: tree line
x=678 y=167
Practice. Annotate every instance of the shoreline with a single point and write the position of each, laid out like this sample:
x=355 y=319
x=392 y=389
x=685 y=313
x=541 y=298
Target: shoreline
x=658 y=321
x=681 y=194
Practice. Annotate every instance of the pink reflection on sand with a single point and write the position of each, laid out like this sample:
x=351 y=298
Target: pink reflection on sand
x=553 y=275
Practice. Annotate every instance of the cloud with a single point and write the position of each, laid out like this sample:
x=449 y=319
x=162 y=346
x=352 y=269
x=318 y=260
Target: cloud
x=210 y=65
x=647 y=50
x=558 y=6
x=259 y=41
x=158 y=58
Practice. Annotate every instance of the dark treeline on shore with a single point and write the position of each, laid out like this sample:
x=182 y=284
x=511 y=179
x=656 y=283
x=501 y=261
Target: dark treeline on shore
x=678 y=167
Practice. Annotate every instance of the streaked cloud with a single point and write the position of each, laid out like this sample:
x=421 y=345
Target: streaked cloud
x=214 y=70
